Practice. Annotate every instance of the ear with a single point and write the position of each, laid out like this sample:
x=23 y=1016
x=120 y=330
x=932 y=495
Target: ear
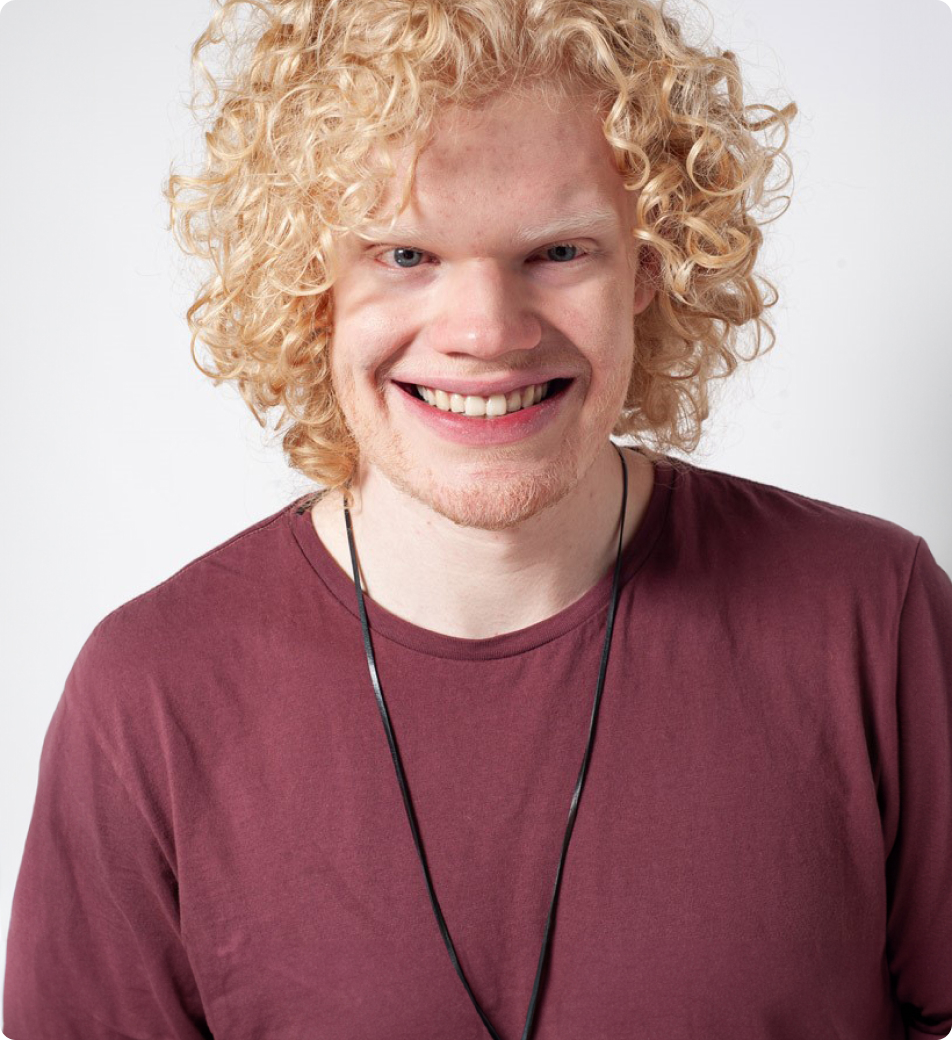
x=647 y=277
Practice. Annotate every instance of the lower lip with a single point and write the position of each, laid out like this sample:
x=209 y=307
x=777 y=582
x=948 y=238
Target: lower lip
x=480 y=430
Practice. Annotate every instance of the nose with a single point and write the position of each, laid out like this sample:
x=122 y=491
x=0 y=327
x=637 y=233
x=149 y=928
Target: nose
x=483 y=310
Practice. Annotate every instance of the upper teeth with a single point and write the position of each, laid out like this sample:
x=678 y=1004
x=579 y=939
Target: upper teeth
x=473 y=404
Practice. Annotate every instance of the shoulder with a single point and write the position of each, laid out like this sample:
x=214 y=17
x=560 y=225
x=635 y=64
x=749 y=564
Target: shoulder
x=212 y=607
x=221 y=580
x=751 y=526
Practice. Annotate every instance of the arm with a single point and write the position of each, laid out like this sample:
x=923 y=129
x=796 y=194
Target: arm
x=95 y=950
x=919 y=865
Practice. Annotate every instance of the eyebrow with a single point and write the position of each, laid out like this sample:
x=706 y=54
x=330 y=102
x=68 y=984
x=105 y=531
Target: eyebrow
x=599 y=221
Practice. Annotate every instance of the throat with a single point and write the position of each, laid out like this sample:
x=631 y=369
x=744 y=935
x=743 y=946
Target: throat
x=471 y=583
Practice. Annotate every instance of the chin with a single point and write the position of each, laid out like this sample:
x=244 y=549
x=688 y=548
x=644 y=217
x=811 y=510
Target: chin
x=493 y=502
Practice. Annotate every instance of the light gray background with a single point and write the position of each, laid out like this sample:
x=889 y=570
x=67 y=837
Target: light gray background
x=122 y=463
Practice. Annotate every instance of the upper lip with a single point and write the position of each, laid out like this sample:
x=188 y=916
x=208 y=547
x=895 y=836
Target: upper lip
x=484 y=388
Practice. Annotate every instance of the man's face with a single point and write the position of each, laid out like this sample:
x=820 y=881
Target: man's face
x=512 y=266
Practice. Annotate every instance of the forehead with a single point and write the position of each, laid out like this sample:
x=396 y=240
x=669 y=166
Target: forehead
x=520 y=157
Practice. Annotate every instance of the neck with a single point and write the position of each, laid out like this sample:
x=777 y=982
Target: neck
x=460 y=581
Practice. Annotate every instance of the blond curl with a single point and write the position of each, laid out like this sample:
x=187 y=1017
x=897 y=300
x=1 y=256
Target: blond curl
x=317 y=85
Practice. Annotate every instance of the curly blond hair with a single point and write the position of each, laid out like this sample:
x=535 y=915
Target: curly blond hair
x=316 y=85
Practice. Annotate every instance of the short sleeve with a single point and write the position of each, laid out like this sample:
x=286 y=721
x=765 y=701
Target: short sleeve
x=919 y=866
x=94 y=950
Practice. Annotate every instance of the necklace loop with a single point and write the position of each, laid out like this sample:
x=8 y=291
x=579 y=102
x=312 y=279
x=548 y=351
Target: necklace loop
x=573 y=809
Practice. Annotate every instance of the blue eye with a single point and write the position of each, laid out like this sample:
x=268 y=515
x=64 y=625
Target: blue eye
x=564 y=245
x=405 y=249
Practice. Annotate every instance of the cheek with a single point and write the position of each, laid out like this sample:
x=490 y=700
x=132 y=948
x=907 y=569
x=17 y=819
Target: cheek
x=370 y=325
x=616 y=333
x=608 y=343
x=339 y=377
x=359 y=356
x=601 y=319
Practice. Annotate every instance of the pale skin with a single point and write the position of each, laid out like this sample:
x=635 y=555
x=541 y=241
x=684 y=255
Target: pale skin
x=468 y=539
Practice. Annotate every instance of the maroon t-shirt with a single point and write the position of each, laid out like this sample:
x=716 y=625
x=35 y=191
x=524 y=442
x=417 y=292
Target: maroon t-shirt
x=763 y=848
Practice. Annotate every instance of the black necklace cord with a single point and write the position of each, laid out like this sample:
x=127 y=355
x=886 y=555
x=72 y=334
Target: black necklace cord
x=404 y=790
x=573 y=810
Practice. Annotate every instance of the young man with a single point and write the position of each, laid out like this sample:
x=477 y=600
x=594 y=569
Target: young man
x=509 y=731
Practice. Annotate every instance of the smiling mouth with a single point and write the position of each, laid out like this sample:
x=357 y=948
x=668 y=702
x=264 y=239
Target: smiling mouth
x=493 y=406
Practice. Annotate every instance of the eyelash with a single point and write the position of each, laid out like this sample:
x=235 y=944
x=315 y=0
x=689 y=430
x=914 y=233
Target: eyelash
x=555 y=245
